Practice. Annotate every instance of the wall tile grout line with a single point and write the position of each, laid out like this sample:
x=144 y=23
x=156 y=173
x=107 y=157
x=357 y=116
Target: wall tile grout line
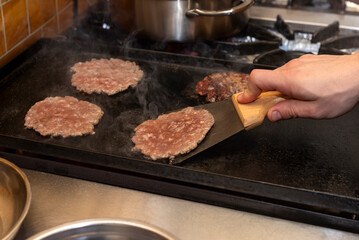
x=4 y=31
x=33 y=33
x=21 y=42
x=27 y=37
x=41 y=31
x=28 y=16
x=44 y=24
x=64 y=8
x=61 y=11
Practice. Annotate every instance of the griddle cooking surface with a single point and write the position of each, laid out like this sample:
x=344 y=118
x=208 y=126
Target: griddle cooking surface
x=48 y=74
x=302 y=155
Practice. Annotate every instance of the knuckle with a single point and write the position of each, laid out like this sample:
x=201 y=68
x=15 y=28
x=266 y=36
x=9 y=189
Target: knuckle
x=289 y=72
x=294 y=62
x=292 y=112
x=317 y=112
x=305 y=56
x=253 y=76
x=314 y=112
x=289 y=111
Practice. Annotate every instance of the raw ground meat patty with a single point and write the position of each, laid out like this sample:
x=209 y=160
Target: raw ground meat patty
x=221 y=86
x=172 y=134
x=63 y=116
x=108 y=76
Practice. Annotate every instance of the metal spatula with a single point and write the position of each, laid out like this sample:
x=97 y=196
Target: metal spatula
x=231 y=117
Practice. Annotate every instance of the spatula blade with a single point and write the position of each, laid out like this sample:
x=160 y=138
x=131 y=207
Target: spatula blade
x=227 y=123
x=232 y=117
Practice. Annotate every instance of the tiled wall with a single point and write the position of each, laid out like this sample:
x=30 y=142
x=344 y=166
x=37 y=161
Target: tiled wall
x=23 y=22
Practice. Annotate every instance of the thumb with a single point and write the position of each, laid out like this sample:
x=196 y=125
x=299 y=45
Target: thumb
x=291 y=108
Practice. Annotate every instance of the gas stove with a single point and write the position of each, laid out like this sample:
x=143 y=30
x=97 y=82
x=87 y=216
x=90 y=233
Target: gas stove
x=272 y=37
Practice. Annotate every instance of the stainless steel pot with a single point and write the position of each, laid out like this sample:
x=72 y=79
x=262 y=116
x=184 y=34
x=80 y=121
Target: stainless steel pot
x=181 y=20
x=15 y=198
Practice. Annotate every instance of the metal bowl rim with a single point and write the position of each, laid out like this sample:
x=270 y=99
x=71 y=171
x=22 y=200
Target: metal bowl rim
x=98 y=221
x=16 y=226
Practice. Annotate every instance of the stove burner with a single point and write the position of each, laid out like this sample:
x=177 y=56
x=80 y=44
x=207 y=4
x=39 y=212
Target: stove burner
x=326 y=32
x=262 y=46
x=283 y=28
x=276 y=58
x=261 y=33
x=348 y=44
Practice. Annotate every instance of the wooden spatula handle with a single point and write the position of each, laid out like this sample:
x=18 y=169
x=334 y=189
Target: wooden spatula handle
x=253 y=114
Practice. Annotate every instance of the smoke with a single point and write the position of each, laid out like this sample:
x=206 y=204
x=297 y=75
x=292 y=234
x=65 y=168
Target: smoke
x=154 y=97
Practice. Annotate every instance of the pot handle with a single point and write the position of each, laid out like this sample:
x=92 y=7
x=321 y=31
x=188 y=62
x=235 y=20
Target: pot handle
x=236 y=9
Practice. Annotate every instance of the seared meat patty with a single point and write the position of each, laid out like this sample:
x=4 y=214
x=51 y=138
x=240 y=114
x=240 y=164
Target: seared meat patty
x=63 y=116
x=172 y=134
x=220 y=86
x=108 y=76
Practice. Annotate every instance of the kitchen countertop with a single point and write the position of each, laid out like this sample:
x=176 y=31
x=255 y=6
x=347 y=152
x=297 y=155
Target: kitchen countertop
x=57 y=200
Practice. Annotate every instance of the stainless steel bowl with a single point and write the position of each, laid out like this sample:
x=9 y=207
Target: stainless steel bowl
x=15 y=198
x=104 y=229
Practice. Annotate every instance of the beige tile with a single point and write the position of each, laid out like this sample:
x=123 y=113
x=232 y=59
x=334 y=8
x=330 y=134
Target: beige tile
x=50 y=30
x=66 y=18
x=40 y=11
x=16 y=25
x=20 y=48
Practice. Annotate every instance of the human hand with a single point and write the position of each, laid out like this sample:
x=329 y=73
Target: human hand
x=319 y=86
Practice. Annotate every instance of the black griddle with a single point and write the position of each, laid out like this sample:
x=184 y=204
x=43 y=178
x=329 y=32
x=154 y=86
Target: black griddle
x=303 y=170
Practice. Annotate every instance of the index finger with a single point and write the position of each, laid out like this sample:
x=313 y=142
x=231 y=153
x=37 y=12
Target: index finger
x=259 y=80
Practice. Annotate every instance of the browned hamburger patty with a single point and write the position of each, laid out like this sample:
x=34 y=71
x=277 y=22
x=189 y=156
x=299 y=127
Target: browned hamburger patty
x=63 y=116
x=221 y=86
x=108 y=76
x=172 y=134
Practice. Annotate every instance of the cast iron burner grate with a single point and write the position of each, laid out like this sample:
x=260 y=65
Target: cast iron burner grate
x=265 y=47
